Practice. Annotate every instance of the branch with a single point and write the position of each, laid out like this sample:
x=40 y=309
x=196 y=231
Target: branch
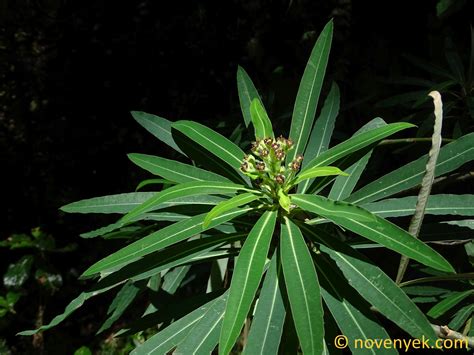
x=427 y=182
x=442 y=331
x=411 y=140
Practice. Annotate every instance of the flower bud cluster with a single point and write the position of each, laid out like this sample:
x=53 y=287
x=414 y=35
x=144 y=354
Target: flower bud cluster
x=266 y=163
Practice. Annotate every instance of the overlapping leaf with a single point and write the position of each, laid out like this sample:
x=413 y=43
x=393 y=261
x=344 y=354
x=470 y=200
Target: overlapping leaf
x=267 y=324
x=374 y=285
x=182 y=190
x=233 y=202
x=304 y=293
x=451 y=157
x=374 y=228
x=158 y=126
x=164 y=237
x=247 y=92
x=173 y=170
x=246 y=279
x=308 y=93
x=444 y=204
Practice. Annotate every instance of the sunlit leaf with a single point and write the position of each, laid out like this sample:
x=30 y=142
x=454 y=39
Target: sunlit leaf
x=246 y=279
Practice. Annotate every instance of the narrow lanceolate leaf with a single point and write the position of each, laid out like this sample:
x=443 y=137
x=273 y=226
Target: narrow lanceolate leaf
x=149 y=182
x=318 y=171
x=122 y=300
x=203 y=338
x=344 y=185
x=449 y=302
x=172 y=280
x=261 y=123
x=267 y=324
x=70 y=308
x=229 y=204
x=121 y=203
x=191 y=252
x=374 y=228
x=461 y=317
x=169 y=235
x=175 y=333
x=214 y=142
x=308 y=93
x=158 y=126
x=303 y=289
x=356 y=143
x=324 y=125
x=247 y=92
x=374 y=285
x=173 y=170
x=182 y=190
x=350 y=311
x=461 y=205
x=246 y=279
x=451 y=157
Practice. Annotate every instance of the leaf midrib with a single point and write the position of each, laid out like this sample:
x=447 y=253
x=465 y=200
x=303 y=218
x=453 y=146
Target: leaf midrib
x=389 y=301
x=305 y=116
x=302 y=282
x=366 y=198
x=237 y=159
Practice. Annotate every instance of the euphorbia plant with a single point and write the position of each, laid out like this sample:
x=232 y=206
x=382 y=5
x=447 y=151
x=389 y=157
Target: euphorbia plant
x=263 y=215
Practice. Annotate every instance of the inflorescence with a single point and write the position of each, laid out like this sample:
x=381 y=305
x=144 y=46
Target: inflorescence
x=265 y=166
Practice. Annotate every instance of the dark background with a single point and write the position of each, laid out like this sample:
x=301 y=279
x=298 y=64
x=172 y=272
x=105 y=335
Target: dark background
x=70 y=72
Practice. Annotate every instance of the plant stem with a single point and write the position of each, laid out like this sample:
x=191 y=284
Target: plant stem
x=456 y=277
x=442 y=331
x=411 y=140
x=427 y=182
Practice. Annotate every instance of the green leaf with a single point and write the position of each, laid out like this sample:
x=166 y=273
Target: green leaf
x=169 y=235
x=267 y=324
x=350 y=311
x=449 y=302
x=461 y=205
x=461 y=317
x=192 y=252
x=302 y=284
x=374 y=228
x=206 y=159
x=451 y=157
x=309 y=90
x=318 y=171
x=182 y=190
x=158 y=126
x=173 y=170
x=324 y=125
x=214 y=142
x=374 y=285
x=173 y=279
x=83 y=350
x=315 y=186
x=246 y=279
x=122 y=300
x=247 y=93
x=284 y=200
x=203 y=338
x=261 y=122
x=344 y=185
x=175 y=333
x=229 y=204
x=355 y=143
x=148 y=182
x=70 y=308
x=121 y=203
x=18 y=273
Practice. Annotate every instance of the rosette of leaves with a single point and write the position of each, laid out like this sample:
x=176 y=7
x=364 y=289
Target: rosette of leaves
x=279 y=231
